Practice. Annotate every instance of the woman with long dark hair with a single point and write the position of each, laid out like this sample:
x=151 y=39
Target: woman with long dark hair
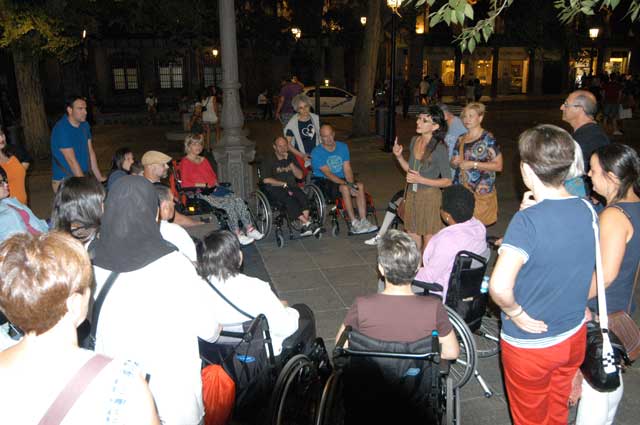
x=427 y=172
x=615 y=174
x=120 y=165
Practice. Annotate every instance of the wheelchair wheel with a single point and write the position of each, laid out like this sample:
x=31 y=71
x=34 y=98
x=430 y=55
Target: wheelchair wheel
x=317 y=203
x=462 y=369
x=263 y=216
x=331 y=409
x=279 y=239
x=335 y=230
x=488 y=337
x=296 y=393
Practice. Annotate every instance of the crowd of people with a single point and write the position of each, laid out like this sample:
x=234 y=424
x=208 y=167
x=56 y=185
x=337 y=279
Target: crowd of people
x=120 y=235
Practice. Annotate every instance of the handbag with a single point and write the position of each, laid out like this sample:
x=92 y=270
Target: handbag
x=209 y=114
x=486 y=204
x=621 y=323
x=602 y=363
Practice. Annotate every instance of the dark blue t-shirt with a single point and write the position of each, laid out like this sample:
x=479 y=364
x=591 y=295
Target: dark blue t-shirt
x=555 y=237
x=63 y=136
x=307 y=134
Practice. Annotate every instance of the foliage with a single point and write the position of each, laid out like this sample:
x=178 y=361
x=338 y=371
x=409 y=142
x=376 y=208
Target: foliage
x=453 y=12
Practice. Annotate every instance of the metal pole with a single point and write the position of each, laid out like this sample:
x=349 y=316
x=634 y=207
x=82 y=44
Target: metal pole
x=391 y=117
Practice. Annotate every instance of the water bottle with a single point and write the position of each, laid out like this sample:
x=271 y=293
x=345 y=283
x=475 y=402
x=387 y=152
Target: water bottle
x=484 y=288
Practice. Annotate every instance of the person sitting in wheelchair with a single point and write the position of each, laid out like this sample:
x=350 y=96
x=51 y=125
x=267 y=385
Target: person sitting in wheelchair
x=219 y=262
x=196 y=171
x=463 y=232
x=332 y=172
x=397 y=314
x=279 y=173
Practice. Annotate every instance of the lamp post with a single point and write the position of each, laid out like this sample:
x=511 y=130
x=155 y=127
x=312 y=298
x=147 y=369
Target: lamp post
x=215 y=52
x=391 y=117
x=593 y=35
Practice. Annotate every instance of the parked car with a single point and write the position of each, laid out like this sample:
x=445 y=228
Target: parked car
x=333 y=100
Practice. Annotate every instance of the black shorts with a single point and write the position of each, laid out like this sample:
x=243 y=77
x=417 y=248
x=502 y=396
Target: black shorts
x=330 y=189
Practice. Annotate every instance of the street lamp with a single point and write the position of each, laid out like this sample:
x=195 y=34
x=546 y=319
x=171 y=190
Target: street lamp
x=593 y=35
x=326 y=82
x=215 y=53
x=391 y=114
x=297 y=33
x=363 y=20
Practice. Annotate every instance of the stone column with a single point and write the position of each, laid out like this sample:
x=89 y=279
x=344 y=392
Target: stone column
x=235 y=150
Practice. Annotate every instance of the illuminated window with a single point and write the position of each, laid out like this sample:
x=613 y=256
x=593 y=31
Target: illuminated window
x=448 y=72
x=483 y=71
x=171 y=74
x=125 y=73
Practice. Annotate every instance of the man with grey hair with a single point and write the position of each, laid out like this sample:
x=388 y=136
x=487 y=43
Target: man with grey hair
x=397 y=314
x=302 y=131
x=579 y=110
x=455 y=129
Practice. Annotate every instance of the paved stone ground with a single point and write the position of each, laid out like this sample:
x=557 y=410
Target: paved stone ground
x=328 y=274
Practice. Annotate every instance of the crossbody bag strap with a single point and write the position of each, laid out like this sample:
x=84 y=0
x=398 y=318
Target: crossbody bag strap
x=56 y=413
x=228 y=301
x=97 y=306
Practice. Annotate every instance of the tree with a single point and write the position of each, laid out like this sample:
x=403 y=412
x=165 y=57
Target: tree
x=368 y=67
x=30 y=30
x=459 y=11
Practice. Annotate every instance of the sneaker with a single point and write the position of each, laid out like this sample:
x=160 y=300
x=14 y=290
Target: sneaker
x=316 y=229
x=356 y=227
x=245 y=240
x=373 y=241
x=306 y=230
x=367 y=226
x=254 y=234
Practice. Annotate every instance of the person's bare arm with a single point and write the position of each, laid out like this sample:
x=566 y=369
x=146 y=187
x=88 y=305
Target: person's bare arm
x=293 y=149
x=450 y=349
x=503 y=280
x=297 y=172
x=495 y=165
x=279 y=107
x=25 y=165
x=414 y=176
x=94 y=163
x=140 y=407
x=397 y=152
x=330 y=176
x=70 y=156
x=615 y=232
x=273 y=182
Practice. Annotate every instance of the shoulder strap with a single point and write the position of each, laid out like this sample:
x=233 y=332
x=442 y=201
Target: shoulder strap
x=623 y=211
x=75 y=387
x=637 y=275
x=97 y=306
x=228 y=301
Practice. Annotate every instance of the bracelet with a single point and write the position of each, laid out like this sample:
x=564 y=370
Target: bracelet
x=513 y=316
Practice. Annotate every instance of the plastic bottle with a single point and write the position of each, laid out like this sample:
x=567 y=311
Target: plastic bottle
x=484 y=288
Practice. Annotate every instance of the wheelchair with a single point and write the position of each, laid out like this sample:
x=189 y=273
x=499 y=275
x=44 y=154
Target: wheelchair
x=478 y=332
x=270 y=390
x=380 y=382
x=272 y=215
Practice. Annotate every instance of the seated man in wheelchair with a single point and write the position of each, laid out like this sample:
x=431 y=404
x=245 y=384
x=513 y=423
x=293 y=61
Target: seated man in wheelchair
x=463 y=233
x=397 y=314
x=333 y=174
x=196 y=171
x=219 y=263
x=279 y=173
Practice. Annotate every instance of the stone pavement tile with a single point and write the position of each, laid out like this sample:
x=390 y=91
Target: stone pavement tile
x=490 y=372
x=319 y=299
x=327 y=243
x=336 y=258
x=481 y=411
x=307 y=279
x=289 y=262
x=350 y=274
x=269 y=244
x=327 y=324
x=369 y=255
x=350 y=292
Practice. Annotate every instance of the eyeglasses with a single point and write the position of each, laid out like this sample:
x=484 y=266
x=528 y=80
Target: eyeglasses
x=575 y=105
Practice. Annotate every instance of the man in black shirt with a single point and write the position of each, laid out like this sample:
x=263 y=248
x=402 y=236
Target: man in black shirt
x=279 y=173
x=579 y=110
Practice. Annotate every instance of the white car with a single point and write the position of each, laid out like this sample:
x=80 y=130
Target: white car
x=333 y=100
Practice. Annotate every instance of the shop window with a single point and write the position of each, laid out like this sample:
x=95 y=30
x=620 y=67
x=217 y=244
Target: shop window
x=125 y=73
x=171 y=74
x=483 y=71
x=448 y=72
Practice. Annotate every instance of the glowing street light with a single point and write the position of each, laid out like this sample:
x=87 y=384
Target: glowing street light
x=593 y=33
x=297 y=33
x=215 y=53
x=326 y=82
x=363 y=20
x=84 y=33
x=394 y=5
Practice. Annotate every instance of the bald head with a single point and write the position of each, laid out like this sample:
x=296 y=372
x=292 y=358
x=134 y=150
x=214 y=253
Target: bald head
x=579 y=109
x=588 y=102
x=327 y=135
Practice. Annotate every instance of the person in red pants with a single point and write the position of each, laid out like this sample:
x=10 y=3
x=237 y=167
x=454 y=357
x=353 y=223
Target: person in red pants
x=541 y=282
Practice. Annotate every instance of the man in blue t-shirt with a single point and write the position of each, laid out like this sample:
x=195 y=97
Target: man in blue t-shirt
x=71 y=149
x=332 y=172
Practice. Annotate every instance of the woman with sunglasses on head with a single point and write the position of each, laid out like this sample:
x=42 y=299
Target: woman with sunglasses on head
x=302 y=131
x=427 y=172
x=477 y=159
